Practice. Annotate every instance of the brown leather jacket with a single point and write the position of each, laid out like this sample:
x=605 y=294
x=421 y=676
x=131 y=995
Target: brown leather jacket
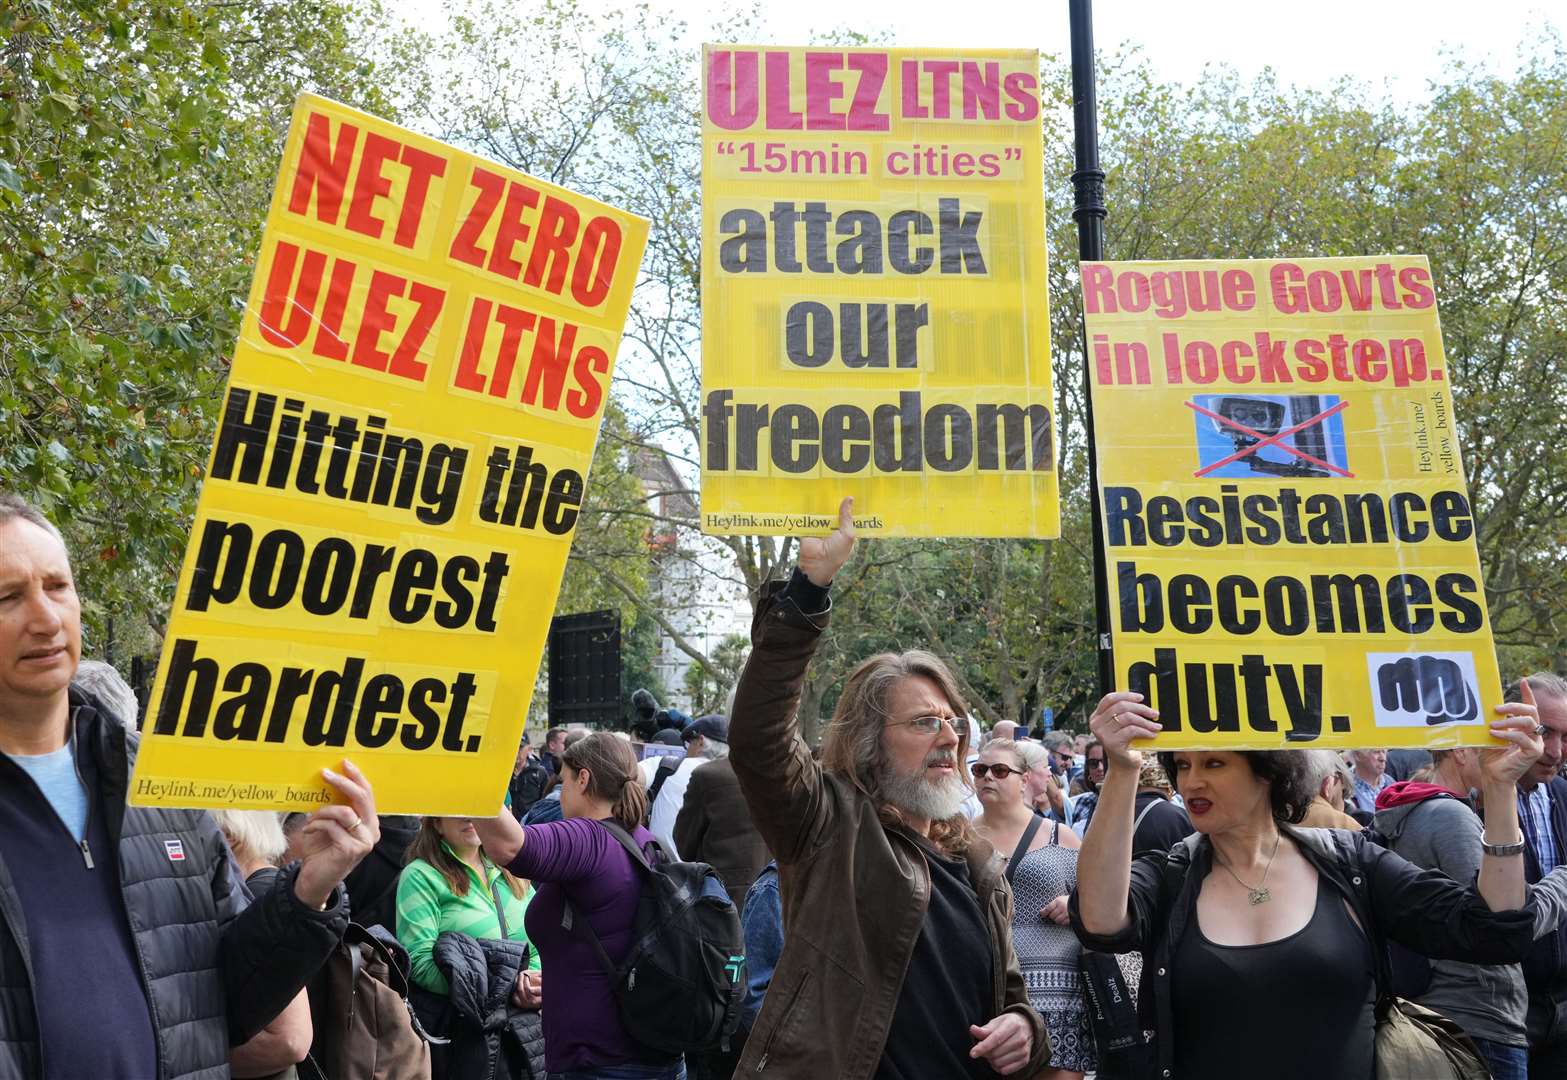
x=854 y=891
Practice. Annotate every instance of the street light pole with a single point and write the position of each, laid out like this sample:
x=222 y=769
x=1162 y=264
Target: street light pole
x=1088 y=210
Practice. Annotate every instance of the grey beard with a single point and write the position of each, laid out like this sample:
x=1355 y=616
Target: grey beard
x=922 y=798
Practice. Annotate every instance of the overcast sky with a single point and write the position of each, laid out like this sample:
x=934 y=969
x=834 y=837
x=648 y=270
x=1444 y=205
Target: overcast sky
x=1394 y=43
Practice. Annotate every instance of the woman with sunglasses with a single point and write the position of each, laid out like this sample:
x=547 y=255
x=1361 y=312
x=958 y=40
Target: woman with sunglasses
x=1043 y=871
x=1093 y=776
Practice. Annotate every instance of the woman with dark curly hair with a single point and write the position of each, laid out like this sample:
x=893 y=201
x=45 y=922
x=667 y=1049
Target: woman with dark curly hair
x=1264 y=942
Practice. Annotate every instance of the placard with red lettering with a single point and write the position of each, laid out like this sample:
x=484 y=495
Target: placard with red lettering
x=1290 y=545
x=400 y=464
x=875 y=316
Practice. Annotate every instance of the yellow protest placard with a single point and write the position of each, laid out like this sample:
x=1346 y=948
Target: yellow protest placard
x=875 y=317
x=399 y=467
x=1289 y=542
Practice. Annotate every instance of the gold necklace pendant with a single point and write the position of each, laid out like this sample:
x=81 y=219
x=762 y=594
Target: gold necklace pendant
x=1259 y=894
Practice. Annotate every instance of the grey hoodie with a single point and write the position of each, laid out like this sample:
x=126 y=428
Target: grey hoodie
x=1487 y=1001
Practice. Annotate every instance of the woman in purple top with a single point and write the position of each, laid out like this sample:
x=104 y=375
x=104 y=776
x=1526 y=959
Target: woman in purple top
x=577 y=859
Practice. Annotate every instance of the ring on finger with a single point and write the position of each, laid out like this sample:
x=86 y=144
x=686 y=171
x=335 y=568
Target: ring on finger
x=1539 y=729
x=356 y=826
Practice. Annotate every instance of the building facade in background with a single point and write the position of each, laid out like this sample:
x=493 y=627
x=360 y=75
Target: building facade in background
x=693 y=579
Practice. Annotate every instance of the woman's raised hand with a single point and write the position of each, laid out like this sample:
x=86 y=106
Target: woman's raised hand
x=1518 y=724
x=1119 y=718
x=821 y=557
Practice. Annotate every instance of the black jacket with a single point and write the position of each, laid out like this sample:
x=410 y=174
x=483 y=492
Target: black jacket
x=372 y=885
x=1163 y=824
x=214 y=970
x=491 y=1039
x=1421 y=909
x=528 y=786
x=1545 y=968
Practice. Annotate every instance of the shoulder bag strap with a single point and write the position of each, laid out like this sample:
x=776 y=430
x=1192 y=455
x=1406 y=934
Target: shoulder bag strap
x=1144 y=812
x=1351 y=878
x=1034 y=821
x=500 y=908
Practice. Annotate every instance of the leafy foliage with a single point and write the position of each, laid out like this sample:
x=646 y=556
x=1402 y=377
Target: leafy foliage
x=709 y=690
x=138 y=144
x=1475 y=178
x=139 y=139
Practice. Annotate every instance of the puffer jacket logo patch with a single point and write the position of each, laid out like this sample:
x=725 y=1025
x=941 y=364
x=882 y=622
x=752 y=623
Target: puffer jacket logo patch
x=176 y=850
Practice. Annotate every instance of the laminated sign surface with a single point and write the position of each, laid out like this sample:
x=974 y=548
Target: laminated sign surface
x=398 y=470
x=874 y=302
x=1289 y=542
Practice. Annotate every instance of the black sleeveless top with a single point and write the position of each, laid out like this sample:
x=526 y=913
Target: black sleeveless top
x=1300 y=1008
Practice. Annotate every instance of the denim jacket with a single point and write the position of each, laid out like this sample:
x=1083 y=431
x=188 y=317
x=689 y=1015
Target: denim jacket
x=762 y=919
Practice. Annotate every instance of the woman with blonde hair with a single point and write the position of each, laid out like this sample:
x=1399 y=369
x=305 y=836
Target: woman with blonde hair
x=1042 y=867
x=578 y=860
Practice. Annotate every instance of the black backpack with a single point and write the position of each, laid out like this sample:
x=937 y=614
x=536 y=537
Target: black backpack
x=682 y=983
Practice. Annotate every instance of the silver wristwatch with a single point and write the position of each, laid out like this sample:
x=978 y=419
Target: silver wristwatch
x=1501 y=850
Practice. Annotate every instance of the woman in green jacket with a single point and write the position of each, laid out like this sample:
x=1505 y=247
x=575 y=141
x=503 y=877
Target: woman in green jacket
x=450 y=884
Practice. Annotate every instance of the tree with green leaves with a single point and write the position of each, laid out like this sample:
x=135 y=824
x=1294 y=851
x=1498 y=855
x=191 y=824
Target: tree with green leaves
x=139 y=140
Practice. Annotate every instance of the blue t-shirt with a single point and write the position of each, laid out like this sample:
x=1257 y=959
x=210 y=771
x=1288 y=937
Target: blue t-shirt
x=55 y=775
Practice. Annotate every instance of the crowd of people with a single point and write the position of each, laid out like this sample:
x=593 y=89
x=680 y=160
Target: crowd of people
x=917 y=898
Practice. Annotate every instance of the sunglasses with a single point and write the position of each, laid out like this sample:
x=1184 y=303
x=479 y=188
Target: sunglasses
x=1001 y=772
x=1094 y=764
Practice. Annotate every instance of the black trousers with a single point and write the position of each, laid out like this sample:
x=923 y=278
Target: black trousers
x=715 y=1064
x=1548 y=1060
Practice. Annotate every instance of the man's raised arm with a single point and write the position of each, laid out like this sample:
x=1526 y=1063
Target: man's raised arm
x=782 y=784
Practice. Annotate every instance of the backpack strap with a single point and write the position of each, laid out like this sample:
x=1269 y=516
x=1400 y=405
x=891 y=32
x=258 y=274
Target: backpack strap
x=568 y=922
x=568 y=914
x=1034 y=821
x=627 y=841
x=666 y=768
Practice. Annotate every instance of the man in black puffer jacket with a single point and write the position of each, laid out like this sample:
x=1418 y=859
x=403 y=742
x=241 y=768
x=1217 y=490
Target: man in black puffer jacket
x=126 y=946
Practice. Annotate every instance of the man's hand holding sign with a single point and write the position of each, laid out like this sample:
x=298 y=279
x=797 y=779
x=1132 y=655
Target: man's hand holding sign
x=821 y=557
x=335 y=838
